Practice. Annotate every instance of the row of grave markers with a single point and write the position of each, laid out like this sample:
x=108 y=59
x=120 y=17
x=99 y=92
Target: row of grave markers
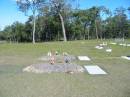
x=94 y=70
x=124 y=45
x=102 y=46
x=121 y=44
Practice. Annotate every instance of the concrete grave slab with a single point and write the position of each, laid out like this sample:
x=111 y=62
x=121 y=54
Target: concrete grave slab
x=126 y=57
x=94 y=70
x=84 y=58
x=123 y=44
x=108 y=50
x=128 y=45
x=99 y=47
x=113 y=43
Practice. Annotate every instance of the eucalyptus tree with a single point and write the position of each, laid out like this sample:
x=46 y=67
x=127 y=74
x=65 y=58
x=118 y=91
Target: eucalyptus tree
x=30 y=5
x=87 y=24
x=104 y=14
x=128 y=11
x=94 y=16
x=129 y=21
x=85 y=21
x=8 y=33
x=120 y=21
x=18 y=31
x=58 y=7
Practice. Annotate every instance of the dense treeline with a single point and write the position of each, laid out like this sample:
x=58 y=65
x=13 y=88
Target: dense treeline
x=92 y=23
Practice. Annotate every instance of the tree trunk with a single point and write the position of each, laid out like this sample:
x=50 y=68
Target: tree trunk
x=88 y=32
x=63 y=27
x=123 y=36
x=101 y=36
x=34 y=26
x=85 y=31
x=96 y=29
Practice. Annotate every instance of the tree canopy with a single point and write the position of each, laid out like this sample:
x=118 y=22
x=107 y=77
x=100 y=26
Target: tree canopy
x=60 y=22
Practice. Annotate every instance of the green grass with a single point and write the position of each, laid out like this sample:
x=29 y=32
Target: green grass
x=15 y=83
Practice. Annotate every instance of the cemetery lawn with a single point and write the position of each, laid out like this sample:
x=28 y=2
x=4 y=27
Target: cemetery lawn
x=15 y=83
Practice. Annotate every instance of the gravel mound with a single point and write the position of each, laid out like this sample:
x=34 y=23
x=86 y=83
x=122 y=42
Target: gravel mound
x=48 y=68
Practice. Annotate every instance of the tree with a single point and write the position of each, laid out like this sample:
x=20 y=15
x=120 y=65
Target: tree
x=79 y=24
x=121 y=20
x=104 y=14
x=94 y=15
x=128 y=11
x=8 y=33
x=33 y=5
x=88 y=29
x=18 y=31
x=58 y=6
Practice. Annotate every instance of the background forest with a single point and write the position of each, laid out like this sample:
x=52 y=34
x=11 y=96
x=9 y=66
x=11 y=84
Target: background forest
x=97 y=22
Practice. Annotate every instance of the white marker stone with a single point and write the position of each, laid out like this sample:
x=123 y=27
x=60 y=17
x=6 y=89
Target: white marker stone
x=94 y=70
x=84 y=58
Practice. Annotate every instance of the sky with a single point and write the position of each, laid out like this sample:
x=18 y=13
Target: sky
x=9 y=12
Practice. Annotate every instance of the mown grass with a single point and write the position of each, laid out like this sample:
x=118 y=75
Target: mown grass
x=15 y=83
